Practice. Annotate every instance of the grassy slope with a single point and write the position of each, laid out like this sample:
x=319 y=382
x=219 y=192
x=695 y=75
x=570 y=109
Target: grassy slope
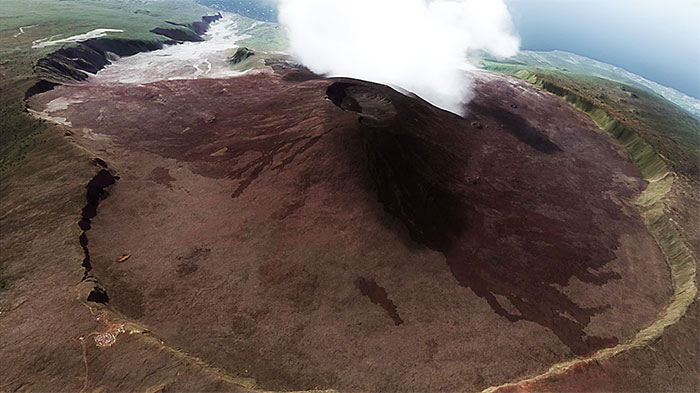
x=19 y=132
x=63 y=19
x=574 y=64
x=663 y=141
x=669 y=130
x=42 y=180
x=659 y=136
x=266 y=37
x=266 y=40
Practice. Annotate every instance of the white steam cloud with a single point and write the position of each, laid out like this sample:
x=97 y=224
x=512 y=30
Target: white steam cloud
x=417 y=45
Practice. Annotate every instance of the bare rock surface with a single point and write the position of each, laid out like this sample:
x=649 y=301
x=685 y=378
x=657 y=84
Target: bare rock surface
x=279 y=228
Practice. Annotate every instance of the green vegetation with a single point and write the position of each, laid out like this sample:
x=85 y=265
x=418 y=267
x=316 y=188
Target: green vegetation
x=262 y=36
x=42 y=194
x=576 y=64
x=63 y=19
x=72 y=17
x=265 y=39
x=641 y=153
x=185 y=32
x=657 y=134
x=241 y=54
x=662 y=141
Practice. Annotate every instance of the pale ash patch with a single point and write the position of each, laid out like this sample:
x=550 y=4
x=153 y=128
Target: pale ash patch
x=58 y=104
x=190 y=60
x=97 y=33
x=46 y=116
x=21 y=30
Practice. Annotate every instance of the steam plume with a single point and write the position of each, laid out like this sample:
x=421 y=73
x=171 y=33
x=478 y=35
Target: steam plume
x=417 y=45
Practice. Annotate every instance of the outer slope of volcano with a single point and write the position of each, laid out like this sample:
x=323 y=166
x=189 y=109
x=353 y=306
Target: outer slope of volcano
x=307 y=232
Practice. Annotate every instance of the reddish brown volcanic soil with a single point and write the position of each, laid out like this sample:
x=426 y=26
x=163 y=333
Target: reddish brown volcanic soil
x=334 y=233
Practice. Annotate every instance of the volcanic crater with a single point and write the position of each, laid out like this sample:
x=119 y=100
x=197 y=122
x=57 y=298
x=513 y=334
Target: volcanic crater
x=311 y=232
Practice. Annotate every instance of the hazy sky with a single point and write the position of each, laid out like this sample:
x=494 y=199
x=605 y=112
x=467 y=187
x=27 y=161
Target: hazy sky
x=658 y=39
x=416 y=45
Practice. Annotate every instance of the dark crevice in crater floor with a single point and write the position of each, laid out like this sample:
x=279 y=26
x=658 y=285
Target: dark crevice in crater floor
x=96 y=192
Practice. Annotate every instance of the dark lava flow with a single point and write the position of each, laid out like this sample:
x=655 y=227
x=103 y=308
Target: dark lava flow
x=418 y=160
x=517 y=126
x=269 y=148
x=379 y=296
x=525 y=230
x=96 y=191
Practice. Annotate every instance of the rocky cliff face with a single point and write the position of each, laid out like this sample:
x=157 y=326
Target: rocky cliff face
x=241 y=54
x=416 y=173
x=192 y=32
x=75 y=63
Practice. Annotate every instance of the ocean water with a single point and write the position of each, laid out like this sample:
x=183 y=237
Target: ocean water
x=189 y=60
x=657 y=39
x=263 y=10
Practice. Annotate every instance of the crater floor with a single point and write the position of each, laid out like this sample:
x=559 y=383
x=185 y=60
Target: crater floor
x=330 y=233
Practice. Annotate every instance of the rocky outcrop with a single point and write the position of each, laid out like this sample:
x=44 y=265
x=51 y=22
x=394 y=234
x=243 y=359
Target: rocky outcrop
x=241 y=54
x=180 y=35
x=40 y=87
x=75 y=63
x=191 y=32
